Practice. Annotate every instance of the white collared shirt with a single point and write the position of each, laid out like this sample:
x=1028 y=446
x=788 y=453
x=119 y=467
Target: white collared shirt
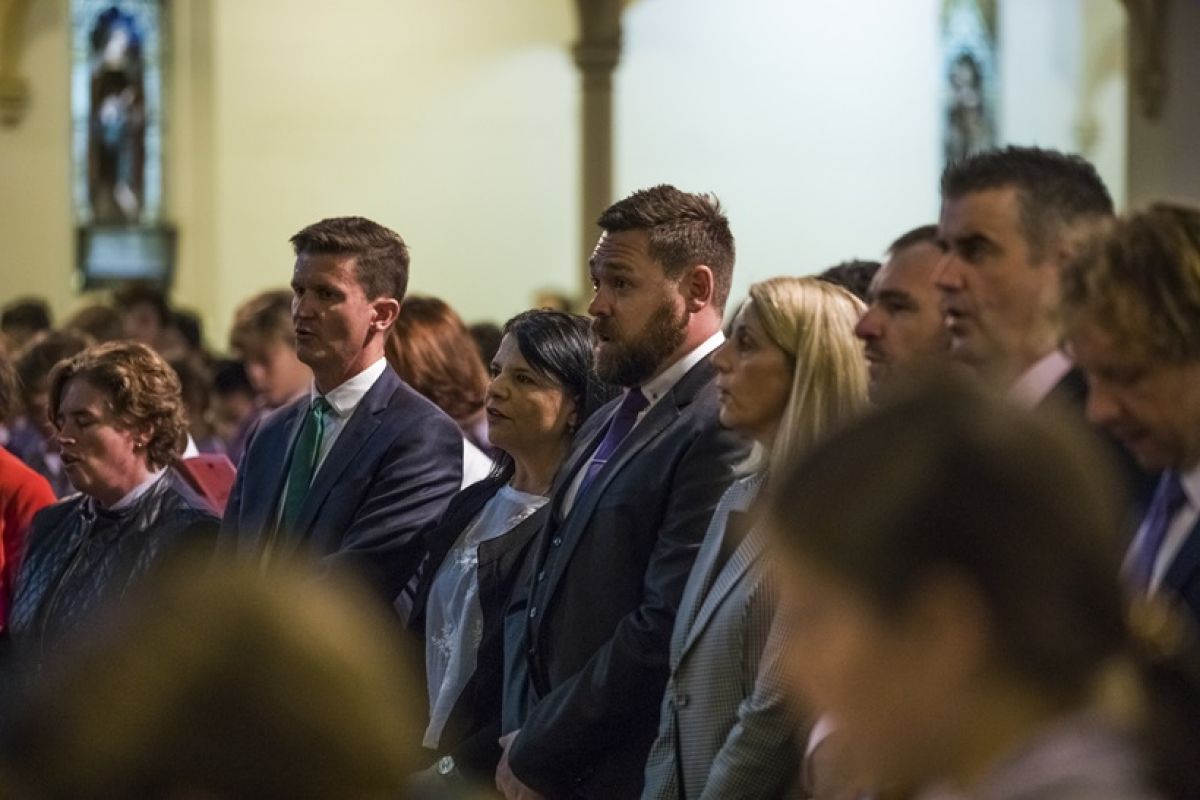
x=1180 y=527
x=136 y=492
x=654 y=389
x=343 y=399
x=1036 y=383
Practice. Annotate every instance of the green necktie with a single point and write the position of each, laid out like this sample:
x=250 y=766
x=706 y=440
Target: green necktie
x=304 y=462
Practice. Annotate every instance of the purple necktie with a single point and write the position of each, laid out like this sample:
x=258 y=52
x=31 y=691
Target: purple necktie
x=618 y=428
x=1166 y=504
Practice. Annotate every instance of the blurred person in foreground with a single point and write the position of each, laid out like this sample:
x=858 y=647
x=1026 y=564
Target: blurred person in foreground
x=1132 y=307
x=120 y=426
x=789 y=373
x=966 y=628
x=23 y=493
x=541 y=392
x=902 y=331
x=220 y=684
x=432 y=351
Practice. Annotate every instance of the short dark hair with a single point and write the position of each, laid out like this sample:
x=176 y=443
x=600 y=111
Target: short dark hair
x=854 y=276
x=27 y=312
x=430 y=348
x=558 y=345
x=685 y=230
x=1055 y=191
x=1140 y=282
x=190 y=327
x=40 y=354
x=8 y=387
x=266 y=317
x=380 y=255
x=101 y=322
x=229 y=377
x=144 y=294
x=142 y=388
x=924 y=234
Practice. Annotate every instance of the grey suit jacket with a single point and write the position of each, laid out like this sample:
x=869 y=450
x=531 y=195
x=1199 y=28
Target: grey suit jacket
x=725 y=730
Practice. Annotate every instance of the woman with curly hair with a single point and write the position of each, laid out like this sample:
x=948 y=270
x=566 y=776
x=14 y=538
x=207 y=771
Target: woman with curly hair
x=120 y=425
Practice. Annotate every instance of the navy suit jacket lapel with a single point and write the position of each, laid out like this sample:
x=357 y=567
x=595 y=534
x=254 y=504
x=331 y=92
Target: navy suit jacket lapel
x=264 y=483
x=358 y=430
x=657 y=419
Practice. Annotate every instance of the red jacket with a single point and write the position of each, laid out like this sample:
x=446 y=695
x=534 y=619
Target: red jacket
x=23 y=493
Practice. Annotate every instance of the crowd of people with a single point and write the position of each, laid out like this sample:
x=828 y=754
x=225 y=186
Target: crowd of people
x=923 y=529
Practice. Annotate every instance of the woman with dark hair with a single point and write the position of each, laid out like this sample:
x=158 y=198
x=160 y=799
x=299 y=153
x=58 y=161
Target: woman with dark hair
x=432 y=350
x=540 y=393
x=120 y=425
x=965 y=628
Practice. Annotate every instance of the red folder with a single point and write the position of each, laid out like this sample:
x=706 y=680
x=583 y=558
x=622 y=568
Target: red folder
x=210 y=475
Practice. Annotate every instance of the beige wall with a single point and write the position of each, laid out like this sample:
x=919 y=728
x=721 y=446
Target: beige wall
x=455 y=122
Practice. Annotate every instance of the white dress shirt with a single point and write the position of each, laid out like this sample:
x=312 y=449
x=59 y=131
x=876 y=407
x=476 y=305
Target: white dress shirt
x=654 y=389
x=1036 y=383
x=342 y=401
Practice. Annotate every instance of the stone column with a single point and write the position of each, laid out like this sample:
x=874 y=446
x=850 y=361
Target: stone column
x=596 y=54
x=14 y=89
x=1164 y=100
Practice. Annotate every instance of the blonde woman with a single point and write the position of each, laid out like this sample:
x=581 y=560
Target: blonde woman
x=790 y=372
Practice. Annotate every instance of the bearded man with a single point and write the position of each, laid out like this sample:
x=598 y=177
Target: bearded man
x=630 y=507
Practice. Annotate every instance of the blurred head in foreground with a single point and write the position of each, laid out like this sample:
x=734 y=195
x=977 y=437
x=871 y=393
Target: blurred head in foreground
x=219 y=684
x=973 y=602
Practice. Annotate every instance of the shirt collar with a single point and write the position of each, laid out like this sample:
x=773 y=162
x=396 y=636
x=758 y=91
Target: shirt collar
x=1036 y=382
x=658 y=386
x=345 y=397
x=136 y=492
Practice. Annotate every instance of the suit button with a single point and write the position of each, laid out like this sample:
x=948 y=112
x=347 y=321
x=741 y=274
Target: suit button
x=541 y=575
x=533 y=652
x=557 y=541
x=682 y=700
x=532 y=612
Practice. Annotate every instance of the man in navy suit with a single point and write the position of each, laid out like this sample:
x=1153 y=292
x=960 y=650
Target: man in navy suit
x=1132 y=306
x=349 y=473
x=628 y=509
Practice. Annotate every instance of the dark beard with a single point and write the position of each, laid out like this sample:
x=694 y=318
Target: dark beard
x=634 y=362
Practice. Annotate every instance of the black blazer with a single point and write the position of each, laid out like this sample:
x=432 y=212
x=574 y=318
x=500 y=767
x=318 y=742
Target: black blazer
x=471 y=734
x=391 y=472
x=1182 y=578
x=606 y=585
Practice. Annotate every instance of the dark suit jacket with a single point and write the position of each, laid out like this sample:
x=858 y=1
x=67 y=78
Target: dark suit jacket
x=471 y=734
x=606 y=586
x=391 y=472
x=1182 y=578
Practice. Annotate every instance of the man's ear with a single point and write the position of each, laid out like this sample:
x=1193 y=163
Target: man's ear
x=698 y=287
x=387 y=311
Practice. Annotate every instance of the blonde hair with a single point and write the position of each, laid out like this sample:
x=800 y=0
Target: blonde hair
x=813 y=322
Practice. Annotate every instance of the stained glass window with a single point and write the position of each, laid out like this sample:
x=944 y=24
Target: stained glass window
x=117 y=141
x=969 y=74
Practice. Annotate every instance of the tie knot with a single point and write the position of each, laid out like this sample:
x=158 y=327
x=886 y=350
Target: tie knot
x=320 y=406
x=634 y=401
